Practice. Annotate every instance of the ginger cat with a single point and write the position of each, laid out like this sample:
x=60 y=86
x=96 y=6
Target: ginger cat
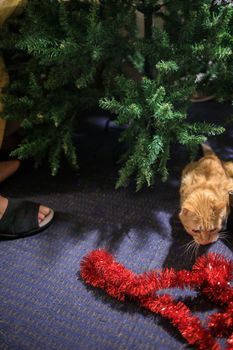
x=204 y=192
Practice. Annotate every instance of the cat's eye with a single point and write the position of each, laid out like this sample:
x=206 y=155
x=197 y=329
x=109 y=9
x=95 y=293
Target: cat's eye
x=196 y=231
x=214 y=229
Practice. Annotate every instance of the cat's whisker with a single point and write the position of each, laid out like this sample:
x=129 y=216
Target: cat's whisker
x=185 y=252
x=225 y=238
x=187 y=247
x=195 y=250
x=189 y=244
x=193 y=247
x=223 y=234
x=186 y=244
x=190 y=248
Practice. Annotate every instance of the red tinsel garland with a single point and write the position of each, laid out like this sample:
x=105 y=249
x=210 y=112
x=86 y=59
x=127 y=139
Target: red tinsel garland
x=211 y=275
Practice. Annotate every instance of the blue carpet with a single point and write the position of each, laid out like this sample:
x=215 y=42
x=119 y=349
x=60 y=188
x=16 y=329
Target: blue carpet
x=44 y=304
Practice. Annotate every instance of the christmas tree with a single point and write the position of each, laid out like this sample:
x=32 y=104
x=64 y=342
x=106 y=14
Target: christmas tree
x=196 y=56
x=62 y=57
x=66 y=57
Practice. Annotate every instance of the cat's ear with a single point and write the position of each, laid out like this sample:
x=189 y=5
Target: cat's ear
x=218 y=207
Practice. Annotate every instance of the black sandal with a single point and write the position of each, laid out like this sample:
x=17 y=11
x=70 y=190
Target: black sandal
x=21 y=219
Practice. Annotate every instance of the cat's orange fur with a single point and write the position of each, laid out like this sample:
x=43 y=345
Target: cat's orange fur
x=204 y=196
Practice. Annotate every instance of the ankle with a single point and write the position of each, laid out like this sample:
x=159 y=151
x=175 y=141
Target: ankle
x=3 y=205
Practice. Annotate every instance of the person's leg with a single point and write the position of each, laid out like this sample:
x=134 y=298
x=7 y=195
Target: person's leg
x=8 y=168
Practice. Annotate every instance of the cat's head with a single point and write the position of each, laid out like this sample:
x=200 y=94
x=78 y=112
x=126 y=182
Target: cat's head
x=203 y=216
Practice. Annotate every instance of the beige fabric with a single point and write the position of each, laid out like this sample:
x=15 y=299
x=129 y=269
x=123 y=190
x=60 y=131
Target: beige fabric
x=7 y=8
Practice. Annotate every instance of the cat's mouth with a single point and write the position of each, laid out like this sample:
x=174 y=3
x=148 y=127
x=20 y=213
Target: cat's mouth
x=206 y=242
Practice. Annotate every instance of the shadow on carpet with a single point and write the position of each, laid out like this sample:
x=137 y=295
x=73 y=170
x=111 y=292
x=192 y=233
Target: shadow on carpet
x=44 y=304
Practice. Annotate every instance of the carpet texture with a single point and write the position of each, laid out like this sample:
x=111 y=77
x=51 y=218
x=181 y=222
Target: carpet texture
x=43 y=302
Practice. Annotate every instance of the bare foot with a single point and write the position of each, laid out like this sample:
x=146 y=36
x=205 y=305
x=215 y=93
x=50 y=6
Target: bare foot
x=7 y=168
x=42 y=213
